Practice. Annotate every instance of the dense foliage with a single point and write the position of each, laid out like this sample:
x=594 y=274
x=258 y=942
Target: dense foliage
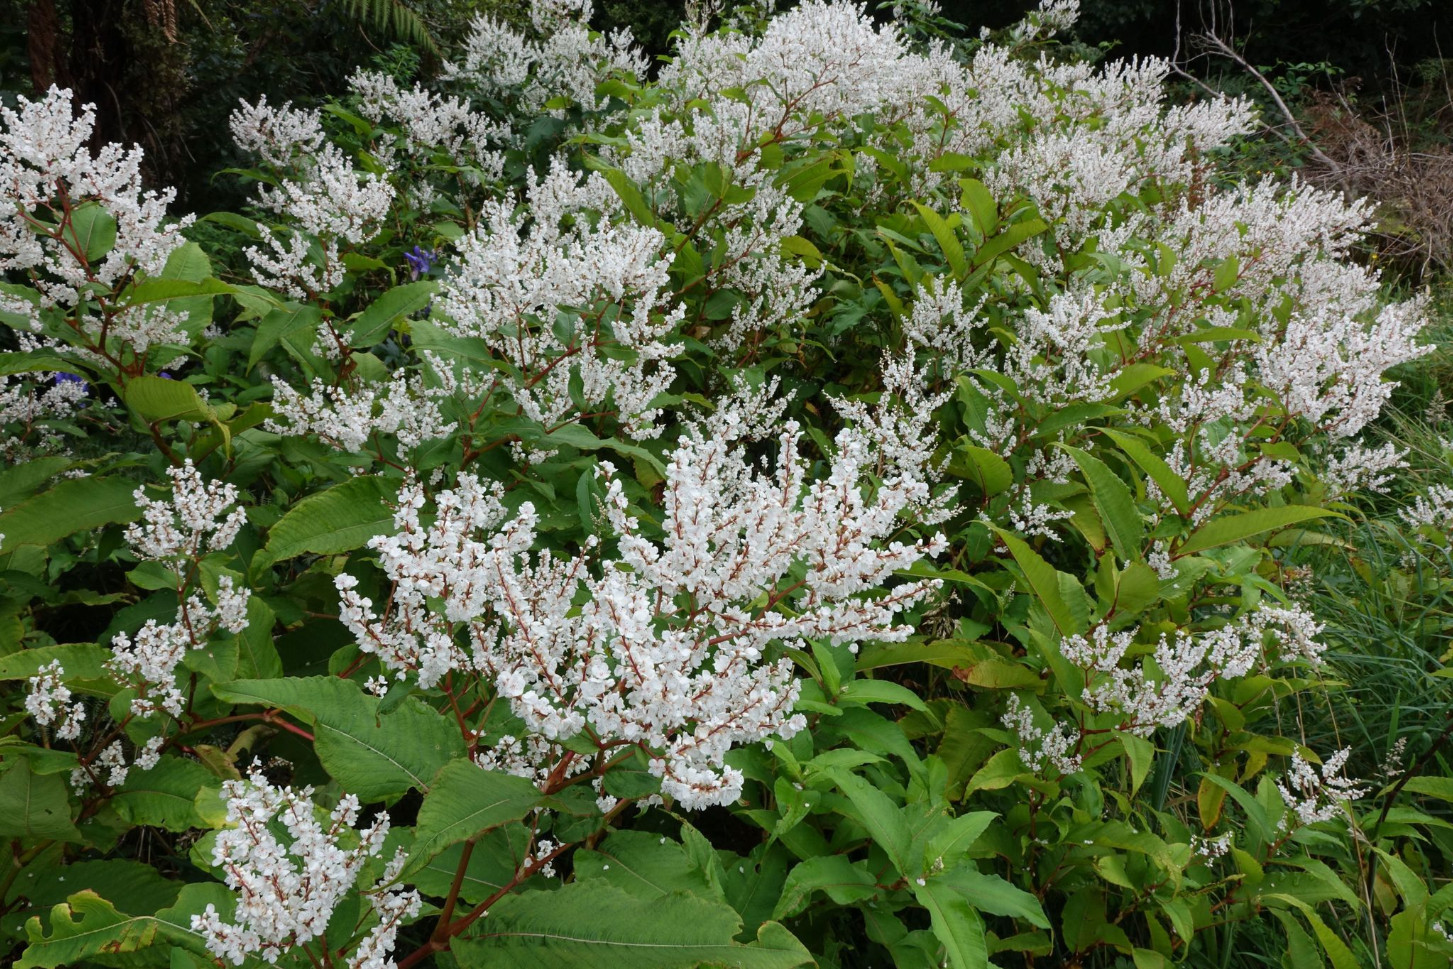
x=836 y=500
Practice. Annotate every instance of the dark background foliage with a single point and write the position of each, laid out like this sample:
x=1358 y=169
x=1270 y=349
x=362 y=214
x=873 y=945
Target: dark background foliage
x=165 y=73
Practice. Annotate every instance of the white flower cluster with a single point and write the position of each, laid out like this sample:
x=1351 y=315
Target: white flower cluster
x=1209 y=849
x=198 y=518
x=903 y=429
x=429 y=123
x=281 y=136
x=1435 y=509
x=287 y=889
x=1313 y=797
x=49 y=181
x=49 y=702
x=323 y=198
x=148 y=660
x=348 y=417
x=1039 y=749
x=1185 y=665
x=110 y=766
x=21 y=402
x=562 y=59
x=664 y=645
x=547 y=290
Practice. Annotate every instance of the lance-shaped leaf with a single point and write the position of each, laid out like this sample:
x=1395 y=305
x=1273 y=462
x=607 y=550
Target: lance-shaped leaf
x=373 y=755
x=72 y=506
x=340 y=519
x=1114 y=503
x=1238 y=528
x=595 y=925
x=465 y=801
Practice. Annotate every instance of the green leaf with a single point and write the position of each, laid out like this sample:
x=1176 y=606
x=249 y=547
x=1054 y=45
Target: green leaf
x=156 y=399
x=1044 y=582
x=1439 y=787
x=580 y=437
x=1238 y=528
x=340 y=519
x=593 y=925
x=465 y=801
x=1226 y=274
x=20 y=481
x=72 y=506
x=879 y=815
x=646 y=865
x=293 y=324
x=998 y=772
x=92 y=230
x=1012 y=236
x=374 y=323
x=372 y=755
x=86 y=926
x=165 y=796
x=81 y=661
x=956 y=924
x=956 y=837
x=1172 y=485
x=845 y=882
x=945 y=653
x=35 y=807
x=1114 y=503
x=994 y=895
x=175 y=290
x=947 y=239
x=990 y=473
x=977 y=201
x=1141 y=755
x=882 y=691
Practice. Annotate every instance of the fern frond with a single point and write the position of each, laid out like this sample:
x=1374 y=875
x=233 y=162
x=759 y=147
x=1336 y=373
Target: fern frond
x=395 y=19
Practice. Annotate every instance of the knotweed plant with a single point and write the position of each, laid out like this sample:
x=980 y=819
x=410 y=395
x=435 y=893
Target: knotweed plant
x=826 y=503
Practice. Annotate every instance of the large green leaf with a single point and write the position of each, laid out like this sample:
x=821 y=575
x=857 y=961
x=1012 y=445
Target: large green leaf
x=1114 y=503
x=955 y=923
x=340 y=519
x=292 y=324
x=72 y=506
x=1238 y=528
x=990 y=473
x=1044 y=582
x=81 y=661
x=87 y=926
x=845 y=882
x=595 y=925
x=879 y=815
x=35 y=807
x=374 y=323
x=92 y=231
x=157 y=399
x=992 y=894
x=1172 y=485
x=20 y=481
x=947 y=238
x=644 y=864
x=374 y=755
x=463 y=802
x=165 y=796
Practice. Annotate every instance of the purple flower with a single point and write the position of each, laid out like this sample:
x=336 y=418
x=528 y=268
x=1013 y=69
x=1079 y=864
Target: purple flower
x=62 y=377
x=420 y=261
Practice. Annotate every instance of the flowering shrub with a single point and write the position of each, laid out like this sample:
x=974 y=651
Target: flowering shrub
x=823 y=504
